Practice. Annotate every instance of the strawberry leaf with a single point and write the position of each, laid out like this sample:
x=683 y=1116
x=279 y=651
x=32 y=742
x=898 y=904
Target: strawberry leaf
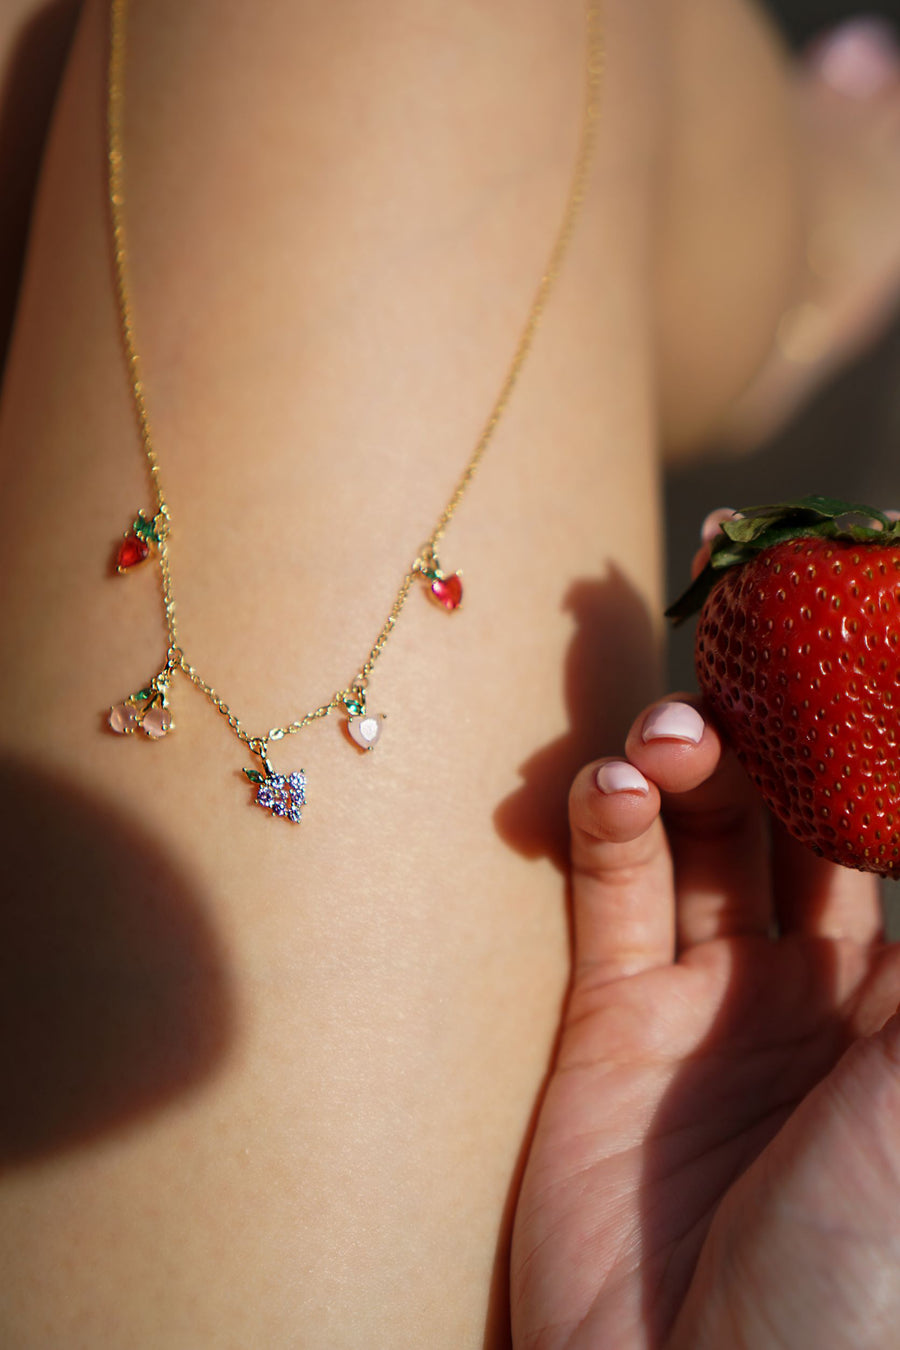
x=756 y=528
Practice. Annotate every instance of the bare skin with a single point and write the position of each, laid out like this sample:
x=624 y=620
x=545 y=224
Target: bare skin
x=337 y=219
x=716 y=1160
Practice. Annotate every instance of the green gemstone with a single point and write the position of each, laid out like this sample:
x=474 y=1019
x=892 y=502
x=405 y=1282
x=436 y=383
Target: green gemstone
x=142 y=695
x=253 y=776
x=354 y=709
x=145 y=528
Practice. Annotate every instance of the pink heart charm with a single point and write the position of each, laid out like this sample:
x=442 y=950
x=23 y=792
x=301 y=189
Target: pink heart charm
x=123 y=719
x=365 y=730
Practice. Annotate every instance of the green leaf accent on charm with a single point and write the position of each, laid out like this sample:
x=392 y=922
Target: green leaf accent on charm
x=253 y=776
x=762 y=527
x=145 y=528
x=142 y=695
x=353 y=708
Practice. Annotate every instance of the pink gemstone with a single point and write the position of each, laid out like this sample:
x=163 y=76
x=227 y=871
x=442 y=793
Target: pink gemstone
x=447 y=591
x=156 y=722
x=122 y=718
x=365 y=730
x=132 y=551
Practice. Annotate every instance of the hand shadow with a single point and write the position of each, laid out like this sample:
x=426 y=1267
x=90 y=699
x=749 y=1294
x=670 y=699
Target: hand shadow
x=612 y=669
x=113 y=990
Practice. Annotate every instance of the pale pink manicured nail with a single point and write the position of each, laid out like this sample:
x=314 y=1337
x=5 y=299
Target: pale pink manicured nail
x=892 y=515
x=859 y=58
x=619 y=776
x=673 y=722
x=710 y=527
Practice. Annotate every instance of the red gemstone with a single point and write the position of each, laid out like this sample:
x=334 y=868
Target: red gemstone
x=447 y=591
x=132 y=551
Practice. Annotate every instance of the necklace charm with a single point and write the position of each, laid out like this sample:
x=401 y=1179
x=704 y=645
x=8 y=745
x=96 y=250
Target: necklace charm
x=445 y=589
x=365 y=729
x=141 y=542
x=146 y=710
x=280 y=794
x=362 y=727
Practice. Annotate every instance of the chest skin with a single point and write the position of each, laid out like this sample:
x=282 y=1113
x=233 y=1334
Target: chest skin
x=309 y=1055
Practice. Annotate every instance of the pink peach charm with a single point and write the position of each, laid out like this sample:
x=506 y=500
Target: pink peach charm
x=123 y=719
x=156 y=722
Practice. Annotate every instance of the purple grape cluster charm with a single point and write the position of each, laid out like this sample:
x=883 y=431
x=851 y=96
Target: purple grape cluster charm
x=281 y=794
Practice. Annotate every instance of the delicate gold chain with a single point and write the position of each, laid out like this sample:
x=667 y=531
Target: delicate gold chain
x=426 y=557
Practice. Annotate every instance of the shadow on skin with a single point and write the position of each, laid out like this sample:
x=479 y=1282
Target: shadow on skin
x=114 y=996
x=611 y=670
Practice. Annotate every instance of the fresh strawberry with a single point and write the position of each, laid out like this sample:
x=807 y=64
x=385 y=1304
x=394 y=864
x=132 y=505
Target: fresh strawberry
x=798 y=657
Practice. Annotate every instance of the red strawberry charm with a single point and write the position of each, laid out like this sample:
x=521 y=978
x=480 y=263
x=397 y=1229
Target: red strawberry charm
x=141 y=541
x=798 y=658
x=131 y=551
x=444 y=588
x=447 y=591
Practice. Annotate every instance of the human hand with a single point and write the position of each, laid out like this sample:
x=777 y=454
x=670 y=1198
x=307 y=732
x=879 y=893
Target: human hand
x=717 y=1159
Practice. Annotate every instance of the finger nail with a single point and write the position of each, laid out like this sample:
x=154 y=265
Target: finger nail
x=673 y=722
x=859 y=58
x=892 y=515
x=619 y=776
x=710 y=527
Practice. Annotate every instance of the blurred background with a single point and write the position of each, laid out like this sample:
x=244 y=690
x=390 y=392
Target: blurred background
x=802 y=19
x=845 y=443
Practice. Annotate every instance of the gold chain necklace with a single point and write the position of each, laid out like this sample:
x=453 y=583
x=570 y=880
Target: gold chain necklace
x=147 y=710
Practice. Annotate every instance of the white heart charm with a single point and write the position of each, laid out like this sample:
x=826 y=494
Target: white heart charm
x=365 y=730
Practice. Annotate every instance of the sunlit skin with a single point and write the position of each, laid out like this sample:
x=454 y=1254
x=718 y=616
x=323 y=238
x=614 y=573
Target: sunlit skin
x=279 y=1077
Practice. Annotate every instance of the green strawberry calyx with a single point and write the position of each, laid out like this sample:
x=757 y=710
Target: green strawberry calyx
x=755 y=528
